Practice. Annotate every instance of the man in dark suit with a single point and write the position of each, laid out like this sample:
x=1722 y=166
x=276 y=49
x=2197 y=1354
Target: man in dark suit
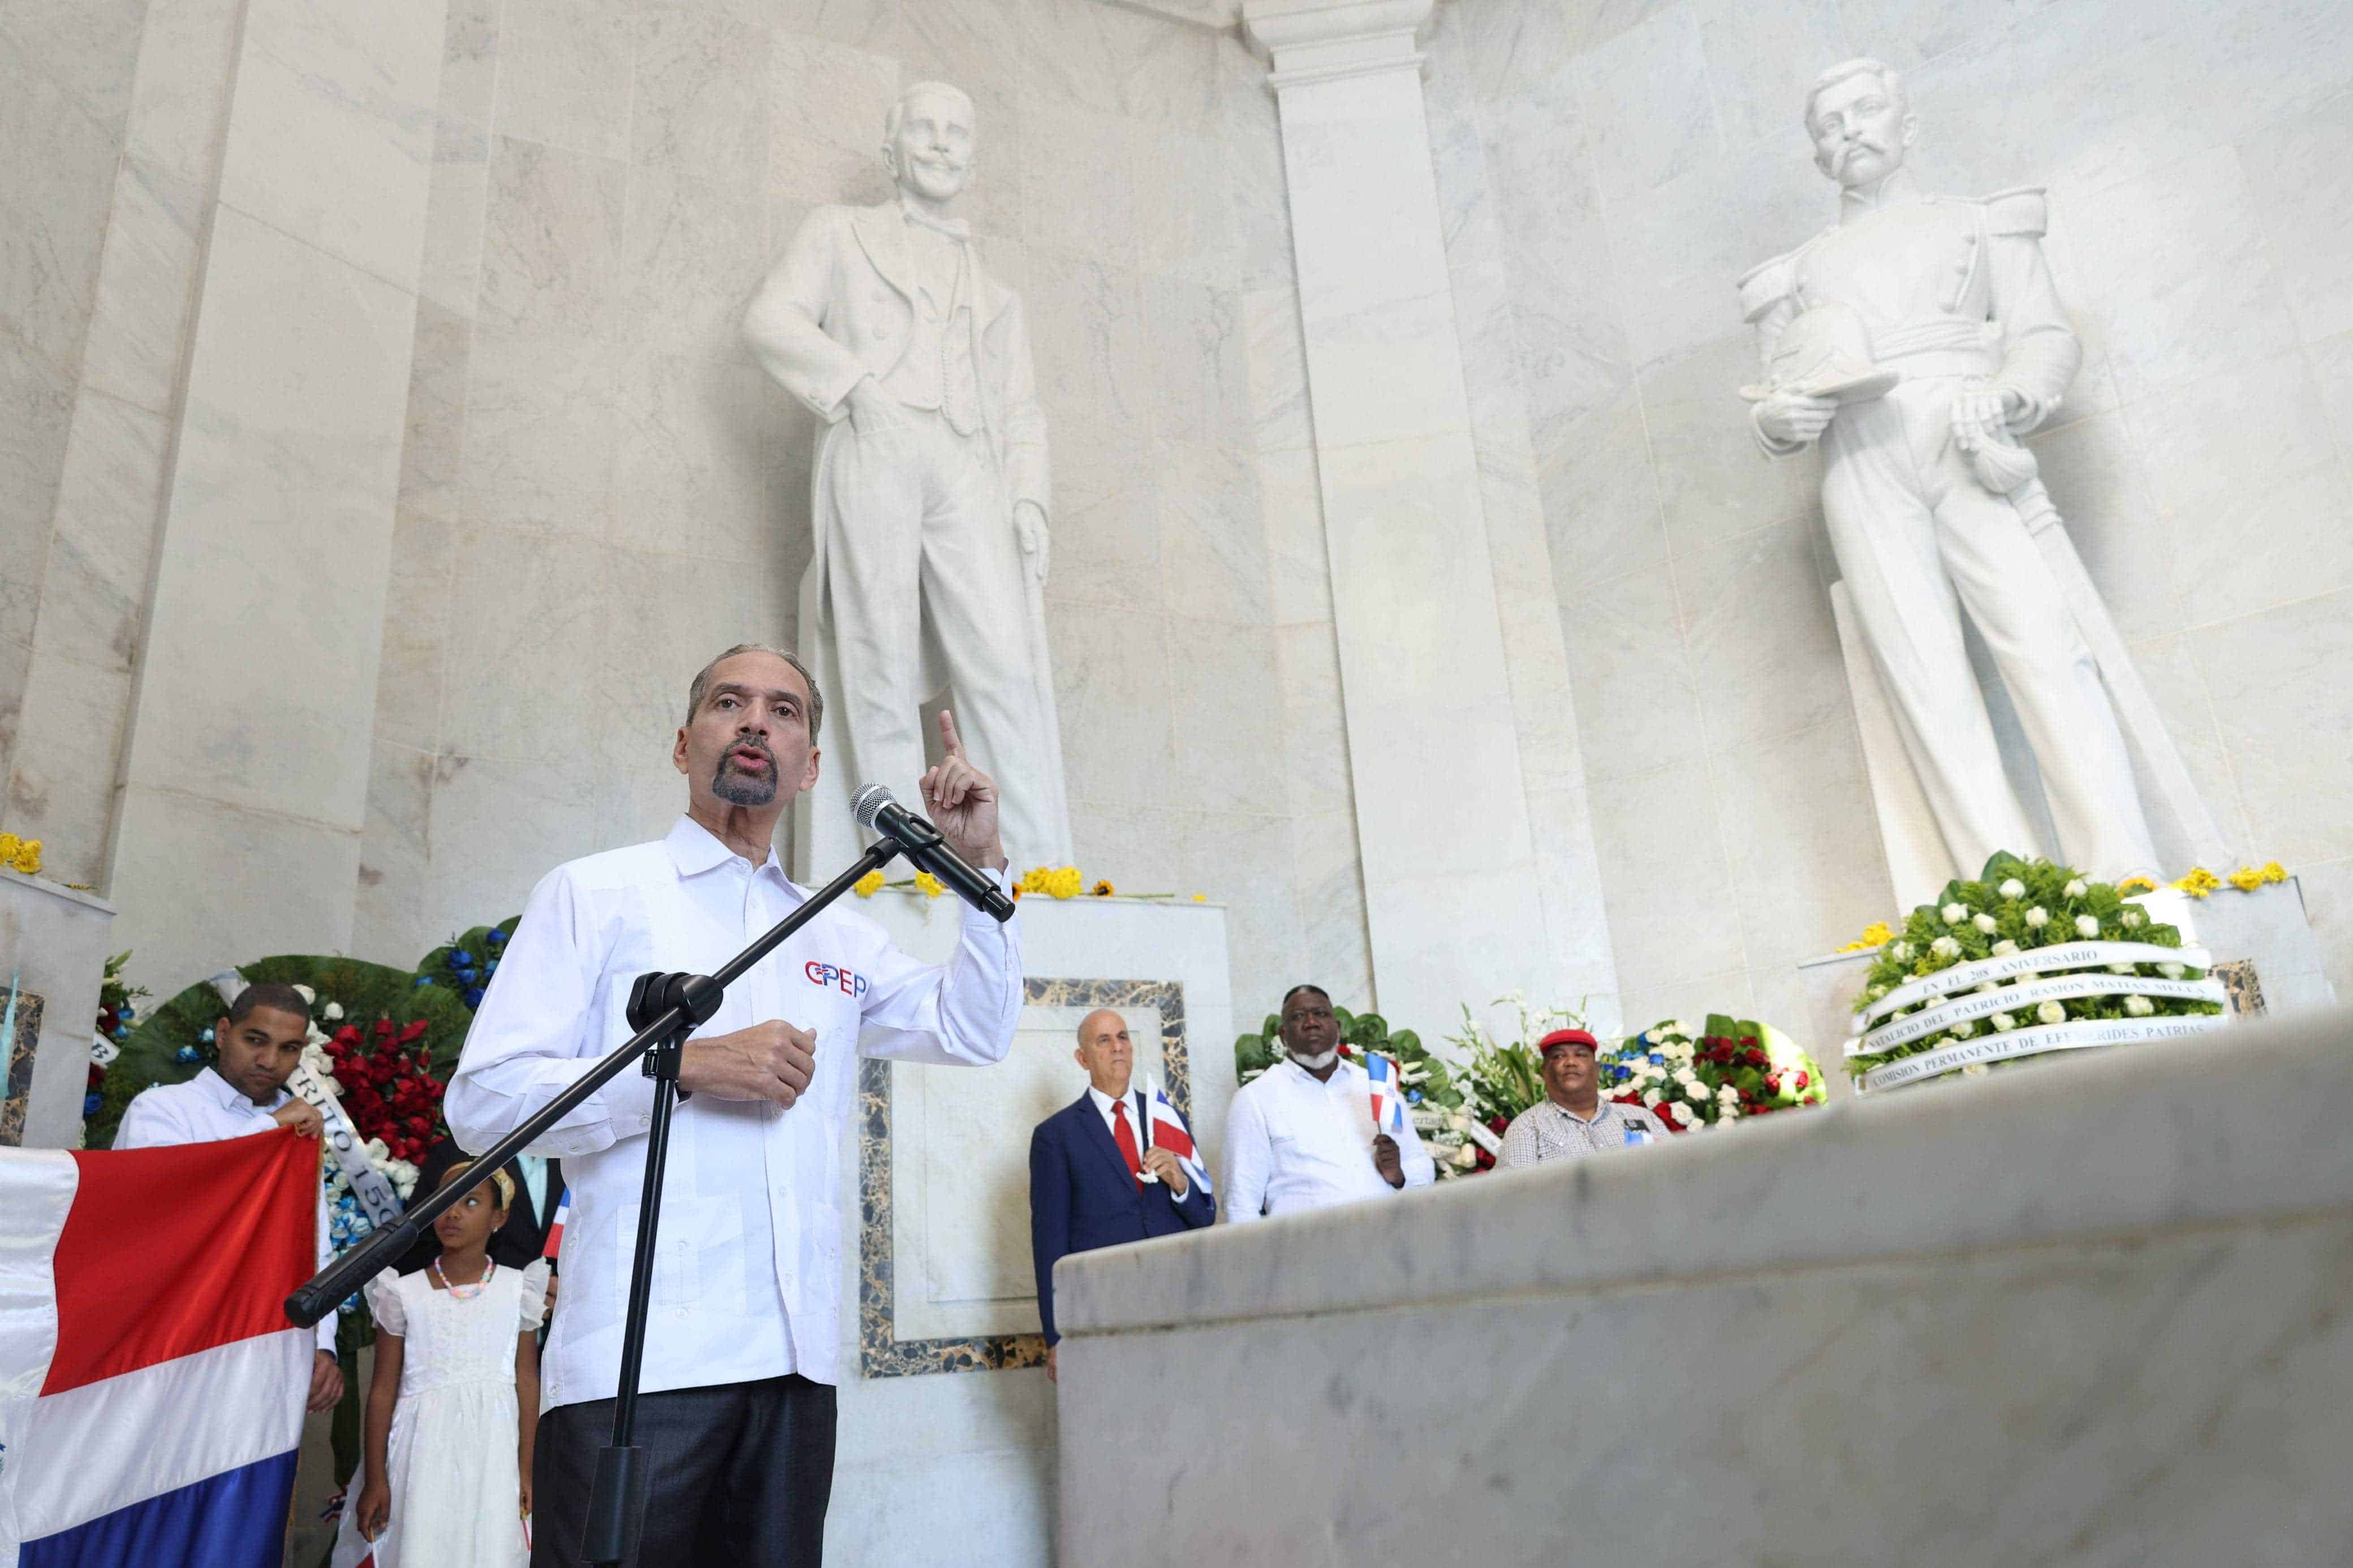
x=516 y=1244
x=1095 y=1177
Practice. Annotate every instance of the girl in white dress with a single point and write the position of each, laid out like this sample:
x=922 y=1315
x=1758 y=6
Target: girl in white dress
x=448 y=1451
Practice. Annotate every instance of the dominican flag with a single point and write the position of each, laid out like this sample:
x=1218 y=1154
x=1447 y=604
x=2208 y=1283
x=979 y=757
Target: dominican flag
x=1388 y=1096
x=1167 y=1131
x=151 y=1388
x=555 y=1225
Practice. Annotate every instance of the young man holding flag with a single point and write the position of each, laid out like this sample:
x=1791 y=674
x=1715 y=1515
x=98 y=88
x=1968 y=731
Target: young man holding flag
x=1116 y=1165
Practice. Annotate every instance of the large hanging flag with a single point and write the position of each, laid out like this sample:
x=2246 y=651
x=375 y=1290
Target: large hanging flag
x=1387 y=1091
x=151 y=1388
x=1167 y=1131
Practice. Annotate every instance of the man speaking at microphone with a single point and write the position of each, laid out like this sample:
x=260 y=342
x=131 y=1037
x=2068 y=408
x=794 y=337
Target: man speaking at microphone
x=737 y=1415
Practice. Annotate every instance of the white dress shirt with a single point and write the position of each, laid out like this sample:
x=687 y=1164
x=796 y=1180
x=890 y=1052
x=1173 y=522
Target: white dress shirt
x=207 y=1109
x=747 y=1275
x=1293 y=1144
x=1104 y=1105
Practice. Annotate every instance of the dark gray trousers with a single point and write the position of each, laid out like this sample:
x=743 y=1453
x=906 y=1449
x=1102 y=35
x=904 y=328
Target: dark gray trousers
x=738 y=1474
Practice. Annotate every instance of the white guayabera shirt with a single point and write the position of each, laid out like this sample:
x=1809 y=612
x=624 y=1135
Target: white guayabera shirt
x=205 y=1109
x=747 y=1276
x=1292 y=1143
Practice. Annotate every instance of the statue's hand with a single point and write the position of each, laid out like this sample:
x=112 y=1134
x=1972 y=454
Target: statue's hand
x=1983 y=416
x=872 y=409
x=1794 y=418
x=1029 y=527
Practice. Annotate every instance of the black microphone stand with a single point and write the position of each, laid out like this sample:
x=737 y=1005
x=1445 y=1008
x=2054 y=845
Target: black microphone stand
x=665 y=1009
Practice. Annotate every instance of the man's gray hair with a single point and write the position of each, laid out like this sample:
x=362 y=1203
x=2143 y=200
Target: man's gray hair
x=898 y=111
x=699 y=688
x=1891 y=81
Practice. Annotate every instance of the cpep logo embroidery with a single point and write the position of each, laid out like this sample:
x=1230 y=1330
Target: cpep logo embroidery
x=842 y=979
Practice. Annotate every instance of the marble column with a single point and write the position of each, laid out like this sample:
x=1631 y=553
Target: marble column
x=245 y=771
x=1450 y=868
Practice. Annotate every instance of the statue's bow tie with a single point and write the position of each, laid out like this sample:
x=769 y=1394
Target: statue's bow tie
x=954 y=227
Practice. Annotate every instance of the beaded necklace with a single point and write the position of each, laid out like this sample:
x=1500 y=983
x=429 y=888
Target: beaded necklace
x=466 y=1292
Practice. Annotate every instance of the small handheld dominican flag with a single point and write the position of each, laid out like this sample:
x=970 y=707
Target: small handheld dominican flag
x=1389 y=1093
x=1166 y=1130
x=555 y=1225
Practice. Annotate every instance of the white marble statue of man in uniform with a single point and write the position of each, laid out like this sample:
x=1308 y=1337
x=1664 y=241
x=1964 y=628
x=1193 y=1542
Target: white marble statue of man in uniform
x=930 y=497
x=1958 y=303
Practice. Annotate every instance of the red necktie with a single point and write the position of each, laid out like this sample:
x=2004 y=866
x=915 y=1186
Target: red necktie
x=1124 y=1136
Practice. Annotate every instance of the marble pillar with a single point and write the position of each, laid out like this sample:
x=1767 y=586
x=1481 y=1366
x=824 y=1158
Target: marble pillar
x=244 y=788
x=1444 y=839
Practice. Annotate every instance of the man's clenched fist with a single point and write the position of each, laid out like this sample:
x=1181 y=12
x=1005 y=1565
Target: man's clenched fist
x=771 y=1061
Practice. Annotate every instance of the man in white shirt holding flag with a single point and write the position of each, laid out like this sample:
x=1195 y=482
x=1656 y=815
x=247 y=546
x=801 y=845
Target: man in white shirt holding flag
x=744 y=1337
x=1315 y=1130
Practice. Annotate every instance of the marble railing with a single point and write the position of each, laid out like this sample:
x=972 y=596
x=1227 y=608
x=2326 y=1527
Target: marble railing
x=2093 y=1311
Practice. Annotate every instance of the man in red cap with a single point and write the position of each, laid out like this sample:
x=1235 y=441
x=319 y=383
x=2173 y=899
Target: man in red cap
x=1572 y=1120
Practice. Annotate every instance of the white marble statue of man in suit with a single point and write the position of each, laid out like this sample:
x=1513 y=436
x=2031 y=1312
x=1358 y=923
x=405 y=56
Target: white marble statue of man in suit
x=1968 y=347
x=929 y=498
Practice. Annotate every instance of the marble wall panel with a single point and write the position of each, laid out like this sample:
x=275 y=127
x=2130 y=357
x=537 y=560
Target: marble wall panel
x=542 y=420
x=2169 y=665
x=285 y=471
x=2304 y=187
x=1115 y=704
x=432 y=452
x=456 y=214
x=1243 y=862
x=109 y=496
x=1314 y=738
x=526 y=617
x=700 y=106
x=2097 y=478
x=1200 y=362
x=1329 y=886
x=1212 y=552
x=389 y=921
x=1806 y=872
x=1276 y=355
x=498 y=827
x=1661 y=848
x=1086 y=331
x=1106 y=528
x=55 y=191
x=89 y=47
x=410 y=670
x=552 y=240
x=36 y=401
x=1184 y=207
x=1228 y=738
x=827 y=104
x=1141 y=848
x=262 y=883
x=332 y=141
x=1647 y=123
x=140 y=312
x=564 y=74
x=2184 y=280
x=692 y=468
x=1760 y=62
x=470 y=63
x=179 y=94
x=2245 y=474
x=1079 y=192
x=1600 y=495
x=1119 y=61
x=1638 y=705
x=1763 y=651
x=2277 y=682
x=1713 y=481
x=65 y=749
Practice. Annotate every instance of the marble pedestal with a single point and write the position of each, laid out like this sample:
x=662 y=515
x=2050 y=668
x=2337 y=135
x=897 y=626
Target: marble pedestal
x=947 y=1435
x=2070 y=1317
x=53 y=947
x=2261 y=941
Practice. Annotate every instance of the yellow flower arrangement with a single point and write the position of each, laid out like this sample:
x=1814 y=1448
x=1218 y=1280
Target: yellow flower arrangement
x=2136 y=884
x=1034 y=880
x=2199 y=882
x=869 y=884
x=1875 y=934
x=930 y=887
x=20 y=854
x=2246 y=878
x=1103 y=890
x=1065 y=882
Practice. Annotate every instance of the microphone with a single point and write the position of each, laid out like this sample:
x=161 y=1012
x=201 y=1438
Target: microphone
x=879 y=814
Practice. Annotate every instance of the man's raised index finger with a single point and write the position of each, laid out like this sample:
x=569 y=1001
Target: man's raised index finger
x=949 y=734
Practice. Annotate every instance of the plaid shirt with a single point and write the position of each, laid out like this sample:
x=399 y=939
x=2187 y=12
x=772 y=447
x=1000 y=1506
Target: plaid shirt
x=1545 y=1132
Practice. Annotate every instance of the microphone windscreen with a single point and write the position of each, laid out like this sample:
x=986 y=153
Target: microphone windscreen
x=868 y=804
